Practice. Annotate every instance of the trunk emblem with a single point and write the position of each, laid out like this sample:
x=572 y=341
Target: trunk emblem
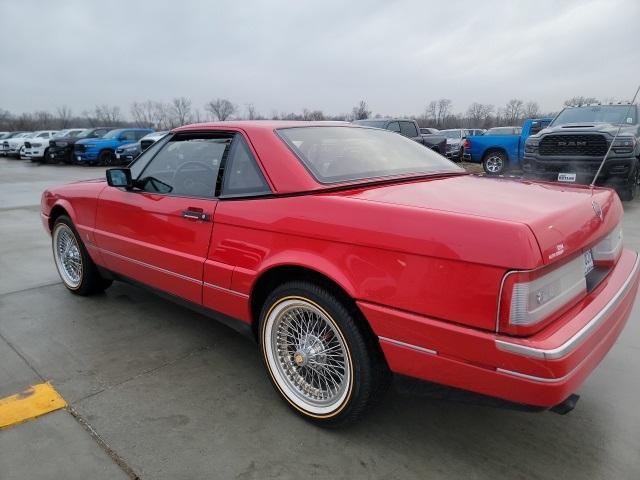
x=598 y=209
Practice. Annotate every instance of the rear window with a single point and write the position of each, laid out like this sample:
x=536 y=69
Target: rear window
x=341 y=154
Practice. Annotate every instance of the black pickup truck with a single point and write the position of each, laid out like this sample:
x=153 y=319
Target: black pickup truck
x=61 y=149
x=408 y=128
x=573 y=146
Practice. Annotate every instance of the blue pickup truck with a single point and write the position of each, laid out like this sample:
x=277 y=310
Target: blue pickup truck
x=502 y=148
x=102 y=150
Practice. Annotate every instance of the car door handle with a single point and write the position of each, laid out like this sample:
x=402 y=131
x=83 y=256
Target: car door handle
x=194 y=215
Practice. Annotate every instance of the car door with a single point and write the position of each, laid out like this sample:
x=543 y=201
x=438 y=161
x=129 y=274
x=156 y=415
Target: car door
x=159 y=232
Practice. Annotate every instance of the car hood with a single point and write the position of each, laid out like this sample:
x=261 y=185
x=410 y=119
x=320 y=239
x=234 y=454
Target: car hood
x=95 y=140
x=563 y=219
x=589 y=127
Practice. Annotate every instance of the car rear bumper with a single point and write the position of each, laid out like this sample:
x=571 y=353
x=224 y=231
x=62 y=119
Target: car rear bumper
x=541 y=370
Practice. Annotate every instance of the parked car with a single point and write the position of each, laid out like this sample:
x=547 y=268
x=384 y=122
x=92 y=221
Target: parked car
x=61 y=149
x=101 y=151
x=498 y=150
x=39 y=138
x=128 y=153
x=428 y=131
x=4 y=141
x=341 y=250
x=572 y=148
x=17 y=144
x=455 y=147
x=38 y=150
x=409 y=129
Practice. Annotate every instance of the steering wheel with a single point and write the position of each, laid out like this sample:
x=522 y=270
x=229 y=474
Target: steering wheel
x=188 y=184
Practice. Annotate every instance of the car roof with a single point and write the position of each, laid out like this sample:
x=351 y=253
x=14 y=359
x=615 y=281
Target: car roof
x=258 y=125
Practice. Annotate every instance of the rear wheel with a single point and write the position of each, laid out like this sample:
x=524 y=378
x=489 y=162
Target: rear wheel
x=494 y=162
x=317 y=357
x=75 y=267
x=106 y=158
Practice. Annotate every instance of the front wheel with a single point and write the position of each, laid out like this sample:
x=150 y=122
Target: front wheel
x=629 y=191
x=106 y=157
x=494 y=163
x=75 y=267
x=317 y=357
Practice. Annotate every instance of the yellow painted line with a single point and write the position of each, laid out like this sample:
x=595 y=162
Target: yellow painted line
x=33 y=402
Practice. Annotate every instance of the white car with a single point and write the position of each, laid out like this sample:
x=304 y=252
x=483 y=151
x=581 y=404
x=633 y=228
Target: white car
x=12 y=146
x=37 y=148
x=17 y=146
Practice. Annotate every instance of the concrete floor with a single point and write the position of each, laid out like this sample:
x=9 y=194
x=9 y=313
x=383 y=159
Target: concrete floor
x=162 y=393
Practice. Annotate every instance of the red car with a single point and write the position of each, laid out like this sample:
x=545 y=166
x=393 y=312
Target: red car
x=351 y=252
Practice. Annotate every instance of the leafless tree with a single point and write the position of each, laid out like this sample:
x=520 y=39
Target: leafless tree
x=478 y=113
x=444 y=108
x=107 y=115
x=143 y=113
x=181 y=111
x=361 y=111
x=579 y=100
x=220 y=109
x=251 y=112
x=513 y=110
x=531 y=109
x=64 y=116
x=312 y=115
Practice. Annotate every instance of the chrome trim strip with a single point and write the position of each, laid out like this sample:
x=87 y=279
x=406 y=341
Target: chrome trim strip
x=408 y=345
x=217 y=287
x=152 y=267
x=533 y=377
x=575 y=341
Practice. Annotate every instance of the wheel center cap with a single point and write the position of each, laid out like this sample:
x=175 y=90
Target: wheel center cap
x=299 y=358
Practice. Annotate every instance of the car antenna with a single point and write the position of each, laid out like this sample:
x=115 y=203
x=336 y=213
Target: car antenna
x=593 y=183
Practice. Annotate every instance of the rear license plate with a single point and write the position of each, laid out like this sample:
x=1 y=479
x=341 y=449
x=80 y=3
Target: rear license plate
x=588 y=262
x=117 y=156
x=79 y=158
x=53 y=155
x=566 y=177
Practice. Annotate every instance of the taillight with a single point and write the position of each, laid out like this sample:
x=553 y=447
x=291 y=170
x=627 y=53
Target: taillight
x=531 y=299
x=466 y=143
x=608 y=250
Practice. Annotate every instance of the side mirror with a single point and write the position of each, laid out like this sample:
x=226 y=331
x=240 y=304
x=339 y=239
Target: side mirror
x=119 y=177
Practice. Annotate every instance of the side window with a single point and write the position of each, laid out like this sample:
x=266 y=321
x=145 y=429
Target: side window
x=186 y=166
x=394 y=127
x=408 y=129
x=242 y=176
x=128 y=135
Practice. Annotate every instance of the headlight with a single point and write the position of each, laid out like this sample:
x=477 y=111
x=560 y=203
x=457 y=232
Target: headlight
x=624 y=144
x=531 y=145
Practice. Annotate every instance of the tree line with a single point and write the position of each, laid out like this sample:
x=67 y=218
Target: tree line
x=181 y=111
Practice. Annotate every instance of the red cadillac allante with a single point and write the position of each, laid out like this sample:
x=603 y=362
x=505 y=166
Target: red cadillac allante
x=351 y=252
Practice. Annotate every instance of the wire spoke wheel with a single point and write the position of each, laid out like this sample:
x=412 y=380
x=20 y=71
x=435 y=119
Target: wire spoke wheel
x=67 y=256
x=307 y=356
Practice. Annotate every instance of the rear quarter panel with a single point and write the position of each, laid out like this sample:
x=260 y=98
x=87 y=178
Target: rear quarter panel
x=429 y=263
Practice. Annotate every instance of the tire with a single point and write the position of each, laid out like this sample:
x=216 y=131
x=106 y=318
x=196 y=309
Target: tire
x=45 y=156
x=306 y=320
x=494 y=162
x=106 y=157
x=630 y=191
x=461 y=155
x=75 y=267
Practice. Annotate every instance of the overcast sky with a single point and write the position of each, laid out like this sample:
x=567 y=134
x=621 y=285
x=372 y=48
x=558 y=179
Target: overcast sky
x=326 y=55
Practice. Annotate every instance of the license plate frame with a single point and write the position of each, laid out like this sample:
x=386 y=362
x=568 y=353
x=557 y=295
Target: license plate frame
x=567 y=177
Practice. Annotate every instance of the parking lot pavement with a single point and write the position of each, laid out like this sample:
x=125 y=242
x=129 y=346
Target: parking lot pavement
x=170 y=394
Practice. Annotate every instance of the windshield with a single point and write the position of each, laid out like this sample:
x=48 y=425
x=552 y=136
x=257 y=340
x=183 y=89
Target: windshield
x=61 y=133
x=112 y=134
x=598 y=113
x=452 y=134
x=340 y=154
